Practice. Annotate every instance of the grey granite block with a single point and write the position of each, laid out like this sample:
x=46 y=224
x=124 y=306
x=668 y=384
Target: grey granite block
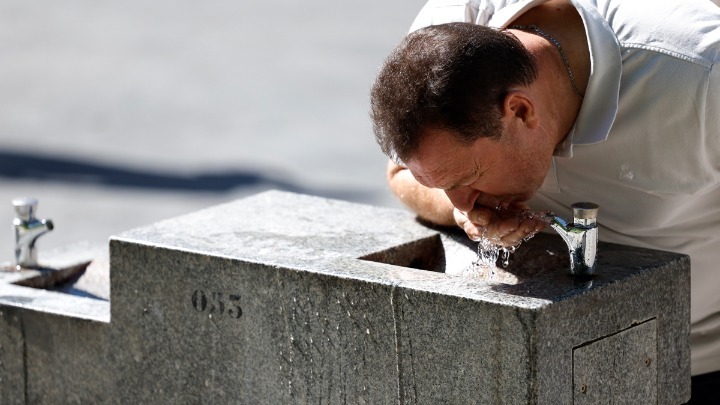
x=286 y=298
x=232 y=330
x=293 y=261
x=67 y=360
x=53 y=344
x=12 y=357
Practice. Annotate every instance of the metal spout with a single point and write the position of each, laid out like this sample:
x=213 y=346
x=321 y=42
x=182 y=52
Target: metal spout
x=580 y=237
x=27 y=230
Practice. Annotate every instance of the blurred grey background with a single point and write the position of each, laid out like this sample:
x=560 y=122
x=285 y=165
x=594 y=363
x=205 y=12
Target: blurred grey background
x=117 y=114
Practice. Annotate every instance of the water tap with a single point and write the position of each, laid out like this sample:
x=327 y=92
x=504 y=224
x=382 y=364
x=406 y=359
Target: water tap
x=27 y=230
x=580 y=237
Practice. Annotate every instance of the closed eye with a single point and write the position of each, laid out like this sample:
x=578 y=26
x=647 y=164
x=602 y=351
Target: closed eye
x=467 y=181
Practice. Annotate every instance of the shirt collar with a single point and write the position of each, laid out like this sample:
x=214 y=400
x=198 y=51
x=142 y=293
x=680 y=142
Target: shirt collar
x=600 y=103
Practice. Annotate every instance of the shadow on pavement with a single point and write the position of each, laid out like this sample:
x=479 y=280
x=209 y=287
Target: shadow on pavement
x=25 y=166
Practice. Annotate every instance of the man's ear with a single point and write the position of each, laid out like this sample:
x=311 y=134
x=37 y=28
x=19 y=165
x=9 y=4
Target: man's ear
x=517 y=104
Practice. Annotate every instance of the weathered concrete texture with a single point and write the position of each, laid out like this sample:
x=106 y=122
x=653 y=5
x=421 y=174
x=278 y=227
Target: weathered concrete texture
x=601 y=368
x=318 y=324
x=53 y=340
x=266 y=300
x=12 y=357
x=219 y=329
x=67 y=360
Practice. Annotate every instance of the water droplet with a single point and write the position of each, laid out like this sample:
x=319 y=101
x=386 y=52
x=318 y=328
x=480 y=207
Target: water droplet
x=367 y=331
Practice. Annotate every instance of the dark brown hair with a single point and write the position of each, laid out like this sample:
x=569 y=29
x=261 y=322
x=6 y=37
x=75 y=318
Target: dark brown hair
x=452 y=77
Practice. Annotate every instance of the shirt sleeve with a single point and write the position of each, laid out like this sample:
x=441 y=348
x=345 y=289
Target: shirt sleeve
x=712 y=121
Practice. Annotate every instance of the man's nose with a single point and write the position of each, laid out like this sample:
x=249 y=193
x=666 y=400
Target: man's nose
x=463 y=198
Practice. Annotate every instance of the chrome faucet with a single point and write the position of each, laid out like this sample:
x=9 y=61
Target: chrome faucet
x=27 y=230
x=580 y=237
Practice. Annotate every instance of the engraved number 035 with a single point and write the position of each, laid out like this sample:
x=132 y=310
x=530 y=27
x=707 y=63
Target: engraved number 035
x=217 y=303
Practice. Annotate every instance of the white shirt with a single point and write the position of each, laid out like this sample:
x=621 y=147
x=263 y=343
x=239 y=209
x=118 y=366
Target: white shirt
x=646 y=142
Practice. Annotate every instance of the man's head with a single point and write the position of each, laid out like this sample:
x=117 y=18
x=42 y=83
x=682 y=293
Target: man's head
x=451 y=77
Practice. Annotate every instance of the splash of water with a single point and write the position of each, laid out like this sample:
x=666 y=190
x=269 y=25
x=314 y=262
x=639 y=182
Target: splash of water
x=490 y=249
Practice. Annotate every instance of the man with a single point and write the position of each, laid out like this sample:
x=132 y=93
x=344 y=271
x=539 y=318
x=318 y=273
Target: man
x=487 y=106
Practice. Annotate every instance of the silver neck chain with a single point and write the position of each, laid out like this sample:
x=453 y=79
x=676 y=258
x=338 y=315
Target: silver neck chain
x=559 y=48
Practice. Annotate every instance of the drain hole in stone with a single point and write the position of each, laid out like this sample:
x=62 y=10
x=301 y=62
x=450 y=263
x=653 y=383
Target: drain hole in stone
x=423 y=254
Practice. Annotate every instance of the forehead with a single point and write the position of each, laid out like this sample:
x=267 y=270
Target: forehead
x=441 y=160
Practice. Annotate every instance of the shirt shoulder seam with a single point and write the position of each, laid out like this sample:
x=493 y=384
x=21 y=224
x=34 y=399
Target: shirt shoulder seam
x=698 y=61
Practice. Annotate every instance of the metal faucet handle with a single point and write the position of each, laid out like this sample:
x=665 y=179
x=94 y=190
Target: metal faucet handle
x=585 y=213
x=27 y=230
x=25 y=207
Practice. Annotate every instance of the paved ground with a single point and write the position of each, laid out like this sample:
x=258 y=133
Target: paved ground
x=118 y=114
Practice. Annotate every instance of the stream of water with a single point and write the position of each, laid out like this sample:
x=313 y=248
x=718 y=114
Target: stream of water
x=489 y=250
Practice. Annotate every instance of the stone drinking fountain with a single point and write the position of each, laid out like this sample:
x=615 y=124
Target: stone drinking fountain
x=286 y=298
